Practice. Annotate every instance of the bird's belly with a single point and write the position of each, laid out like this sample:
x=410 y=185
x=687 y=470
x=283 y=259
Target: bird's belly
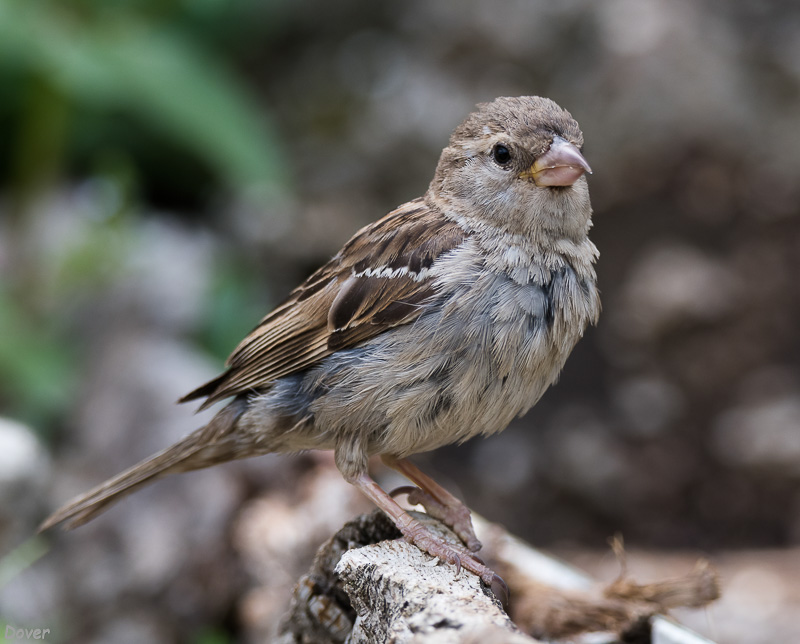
x=475 y=392
x=450 y=378
x=481 y=356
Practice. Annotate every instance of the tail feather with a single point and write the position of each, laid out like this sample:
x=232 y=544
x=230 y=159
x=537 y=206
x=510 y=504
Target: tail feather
x=97 y=500
x=202 y=448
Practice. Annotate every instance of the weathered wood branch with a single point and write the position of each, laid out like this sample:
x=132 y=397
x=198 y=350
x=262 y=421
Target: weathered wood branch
x=367 y=586
x=401 y=594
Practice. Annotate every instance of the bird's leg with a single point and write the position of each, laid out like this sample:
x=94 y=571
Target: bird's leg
x=437 y=501
x=416 y=533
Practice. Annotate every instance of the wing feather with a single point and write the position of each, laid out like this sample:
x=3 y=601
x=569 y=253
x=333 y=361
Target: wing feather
x=380 y=279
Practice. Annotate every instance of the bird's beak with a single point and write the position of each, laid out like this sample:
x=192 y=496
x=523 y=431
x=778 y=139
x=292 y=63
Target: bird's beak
x=561 y=165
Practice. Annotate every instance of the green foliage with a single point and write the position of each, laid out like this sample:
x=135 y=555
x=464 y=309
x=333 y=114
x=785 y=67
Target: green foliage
x=234 y=308
x=21 y=558
x=36 y=367
x=120 y=56
x=212 y=636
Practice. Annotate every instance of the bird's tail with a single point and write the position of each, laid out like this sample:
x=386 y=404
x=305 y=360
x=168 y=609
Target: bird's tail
x=204 y=447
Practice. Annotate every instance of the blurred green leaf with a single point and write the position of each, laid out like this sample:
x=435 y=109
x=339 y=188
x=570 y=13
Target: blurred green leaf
x=117 y=60
x=36 y=368
x=235 y=305
x=212 y=636
x=22 y=557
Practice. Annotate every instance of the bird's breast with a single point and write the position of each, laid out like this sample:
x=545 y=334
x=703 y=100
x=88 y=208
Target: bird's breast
x=516 y=337
x=485 y=353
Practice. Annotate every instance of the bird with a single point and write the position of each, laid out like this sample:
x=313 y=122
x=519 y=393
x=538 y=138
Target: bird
x=443 y=320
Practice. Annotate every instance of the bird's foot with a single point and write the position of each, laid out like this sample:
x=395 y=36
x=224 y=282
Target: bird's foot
x=419 y=535
x=454 y=515
x=426 y=540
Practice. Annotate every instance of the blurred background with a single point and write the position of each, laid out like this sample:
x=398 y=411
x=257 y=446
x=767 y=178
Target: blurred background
x=170 y=169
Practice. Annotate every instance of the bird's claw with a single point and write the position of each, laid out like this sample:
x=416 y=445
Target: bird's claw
x=500 y=589
x=403 y=489
x=458 y=556
x=456 y=517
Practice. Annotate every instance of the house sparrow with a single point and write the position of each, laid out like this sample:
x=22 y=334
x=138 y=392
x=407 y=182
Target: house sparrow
x=443 y=320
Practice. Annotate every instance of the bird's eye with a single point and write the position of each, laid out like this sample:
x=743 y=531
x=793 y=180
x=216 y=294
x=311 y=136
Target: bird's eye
x=501 y=154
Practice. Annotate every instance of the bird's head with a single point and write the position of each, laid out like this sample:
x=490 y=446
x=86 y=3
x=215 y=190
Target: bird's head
x=517 y=162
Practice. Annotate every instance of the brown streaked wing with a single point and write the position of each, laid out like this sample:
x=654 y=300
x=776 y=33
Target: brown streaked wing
x=377 y=281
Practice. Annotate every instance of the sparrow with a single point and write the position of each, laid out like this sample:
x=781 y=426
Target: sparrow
x=441 y=321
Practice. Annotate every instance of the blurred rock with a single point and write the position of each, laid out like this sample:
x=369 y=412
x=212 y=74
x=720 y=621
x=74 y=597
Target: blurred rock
x=169 y=273
x=648 y=405
x=761 y=435
x=137 y=627
x=24 y=471
x=505 y=466
x=670 y=286
x=586 y=457
x=23 y=460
